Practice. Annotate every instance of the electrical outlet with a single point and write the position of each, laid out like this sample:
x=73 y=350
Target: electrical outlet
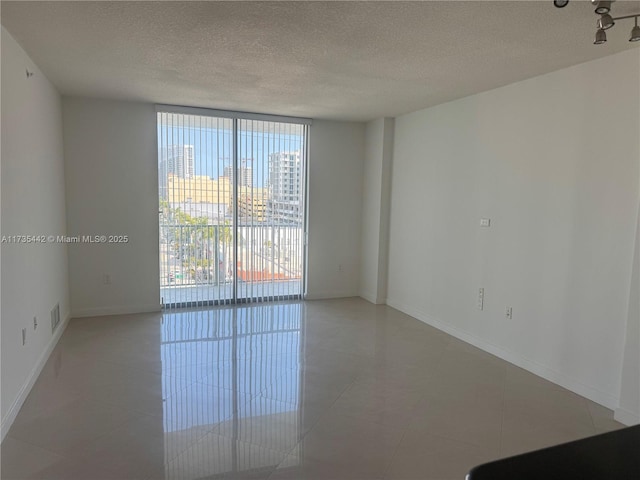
x=340 y=269
x=106 y=279
x=24 y=336
x=481 y=299
x=485 y=222
x=508 y=312
x=35 y=322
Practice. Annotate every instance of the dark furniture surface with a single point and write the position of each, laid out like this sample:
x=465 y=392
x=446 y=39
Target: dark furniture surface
x=613 y=455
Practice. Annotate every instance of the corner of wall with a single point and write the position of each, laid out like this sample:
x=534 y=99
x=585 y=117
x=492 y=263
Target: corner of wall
x=376 y=197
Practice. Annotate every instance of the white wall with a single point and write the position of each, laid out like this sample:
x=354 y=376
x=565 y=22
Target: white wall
x=335 y=208
x=112 y=189
x=375 y=209
x=628 y=411
x=34 y=276
x=553 y=162
x=111 y=164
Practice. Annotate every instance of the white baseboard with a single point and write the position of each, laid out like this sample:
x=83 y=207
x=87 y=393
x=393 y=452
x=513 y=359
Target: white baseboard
x=368 y=296
x=125 y=310
x=329 y=295
x=12 y=413
x=626 y=417
x=371 y=298
x=603 y=398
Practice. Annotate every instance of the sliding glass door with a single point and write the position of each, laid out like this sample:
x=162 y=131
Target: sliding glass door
x=231 y=208
x=270 y=209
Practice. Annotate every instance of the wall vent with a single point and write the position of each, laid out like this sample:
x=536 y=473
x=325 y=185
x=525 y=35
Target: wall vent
x=55 y=317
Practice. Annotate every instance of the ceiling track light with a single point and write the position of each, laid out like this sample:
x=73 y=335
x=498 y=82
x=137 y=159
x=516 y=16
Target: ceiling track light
x=635 y=32
x=602 y=7
x=606 y=21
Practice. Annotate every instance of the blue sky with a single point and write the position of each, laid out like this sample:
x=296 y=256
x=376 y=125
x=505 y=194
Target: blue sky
x=213 y=145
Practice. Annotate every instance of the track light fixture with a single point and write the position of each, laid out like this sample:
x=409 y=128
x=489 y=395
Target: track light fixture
x=635 y=32
x=601 y=37
x=606 y=21
x=602 y=7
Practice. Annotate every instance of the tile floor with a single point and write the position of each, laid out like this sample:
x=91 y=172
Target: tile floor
x=329 y=390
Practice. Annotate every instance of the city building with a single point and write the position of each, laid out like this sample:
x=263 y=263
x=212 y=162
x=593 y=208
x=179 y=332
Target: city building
x=177 y=160
x=252 y=204
x=199 y=189
x=285 y=186
x=246 y=173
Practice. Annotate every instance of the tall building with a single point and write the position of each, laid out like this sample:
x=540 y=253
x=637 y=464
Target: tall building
x=246 y=173
x=176 y=161
x=285 y=186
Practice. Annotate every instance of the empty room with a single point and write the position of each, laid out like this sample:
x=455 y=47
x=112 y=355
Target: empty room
x=328 y=240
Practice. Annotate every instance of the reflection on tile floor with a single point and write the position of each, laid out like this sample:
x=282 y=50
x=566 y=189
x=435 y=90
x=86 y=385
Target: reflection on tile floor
x=330 y=390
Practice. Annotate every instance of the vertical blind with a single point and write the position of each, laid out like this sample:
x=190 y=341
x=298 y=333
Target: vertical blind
x=232 y=208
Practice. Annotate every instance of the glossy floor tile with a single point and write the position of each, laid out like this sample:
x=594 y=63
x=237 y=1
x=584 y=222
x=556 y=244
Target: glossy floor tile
x=331 y=390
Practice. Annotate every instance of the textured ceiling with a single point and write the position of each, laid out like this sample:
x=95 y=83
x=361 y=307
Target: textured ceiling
x=337 y=60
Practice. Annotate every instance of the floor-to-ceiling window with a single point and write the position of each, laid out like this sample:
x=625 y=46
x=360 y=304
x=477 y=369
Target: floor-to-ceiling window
x=231 y=206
